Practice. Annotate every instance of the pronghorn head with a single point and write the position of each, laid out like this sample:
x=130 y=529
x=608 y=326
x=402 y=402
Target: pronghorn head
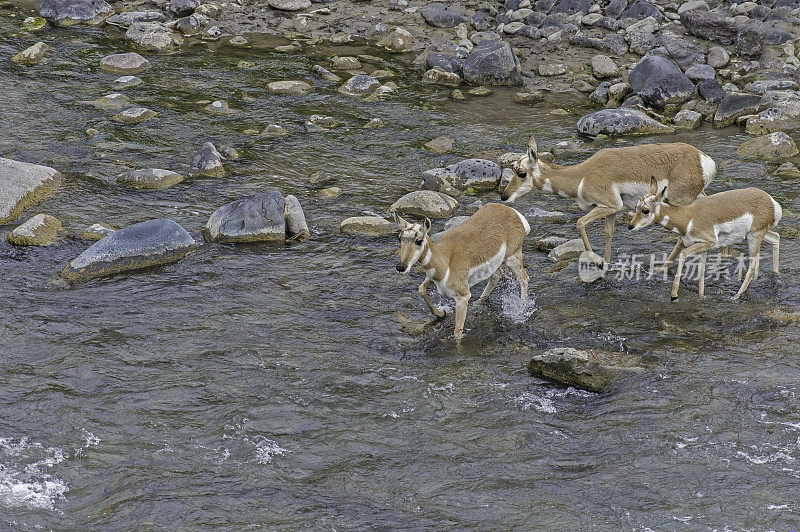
x=412 y=242
x=646 y=207
x=526 y=174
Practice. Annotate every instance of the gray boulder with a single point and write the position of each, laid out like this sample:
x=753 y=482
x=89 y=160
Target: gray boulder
x=130 y=63
x=641 y=9
x=659 y=82
x=570 y=7
x=141 y=245
x=182 y=8
x=772 y=147
x=127 y=18
x=492 y=63
x=207 y=162
x=68 y=12
x=150 y=178
x=425 y=203
x=710 y=26
x=763 y=86
x=153 y=37
x=734 y=105
x=615 y=8
x=478 y=174
x=769 y=121
x=700 y=72
x=684 y=53
x=24 y=184
x=258 y=218
x=296 y=226
x=360 y=85
x=687 y=119
x=710 y=90
x=595 y=371
x=621 y=121
x=447 y=62
x=439 y=15
x=368 y=226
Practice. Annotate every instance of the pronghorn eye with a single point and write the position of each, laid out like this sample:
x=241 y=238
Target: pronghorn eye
x=419 y=242
x=645 y=211
x=523 y=175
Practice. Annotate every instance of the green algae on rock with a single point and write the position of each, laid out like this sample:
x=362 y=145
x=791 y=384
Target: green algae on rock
x=41 y=230
x=24 y=184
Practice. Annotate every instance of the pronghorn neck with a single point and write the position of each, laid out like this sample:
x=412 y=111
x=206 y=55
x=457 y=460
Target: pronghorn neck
x=668 y=216
x=561 y=180
x=433 y=261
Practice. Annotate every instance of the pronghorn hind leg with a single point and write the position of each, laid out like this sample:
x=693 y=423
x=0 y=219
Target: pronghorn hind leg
x=609 y=233
x=461 y=315
x=754 y=243
x=423 y=291
x=515 y=263
x=774 y=239
x=591 y=216
x=697 y=247
x=490 y=284
x=701 y=272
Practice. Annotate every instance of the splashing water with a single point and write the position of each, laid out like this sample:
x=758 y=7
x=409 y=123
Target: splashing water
x=24 y=479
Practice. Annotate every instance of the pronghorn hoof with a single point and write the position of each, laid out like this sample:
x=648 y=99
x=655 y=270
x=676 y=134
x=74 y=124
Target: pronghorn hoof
x=673 y=298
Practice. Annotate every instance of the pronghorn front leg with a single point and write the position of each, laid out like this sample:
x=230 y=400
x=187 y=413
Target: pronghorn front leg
x=461 y=315
x=697 y=247
x=591 y=216
x=774 y=239
x=490 y=285
x=678 y=247
x=609 y=232
x=423 y=291
x=515 y=263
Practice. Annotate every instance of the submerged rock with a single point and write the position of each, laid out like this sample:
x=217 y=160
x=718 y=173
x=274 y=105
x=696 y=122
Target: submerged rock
x=367 y=225
x=33 y=55
x=207 y=162
x=594 y=371
x=24 y=184
x=141 y=245
x=492 y=63
x=150 y=178
x=289 y=87
x=360 y=85
x=130 y=63
x=296 y=226
x=440 y=145
x=771 y=147
x=134 y=115
x=131 y=17
x=290 y=5
x=41 y=230
x=258 y=218
x=68 y=12
x=110 y=102
x=425 y=203
x=96 y=232
x=153 y=37
x=621 y=121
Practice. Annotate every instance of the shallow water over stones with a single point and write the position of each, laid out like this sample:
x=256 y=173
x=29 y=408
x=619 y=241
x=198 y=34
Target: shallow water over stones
x=303 y=386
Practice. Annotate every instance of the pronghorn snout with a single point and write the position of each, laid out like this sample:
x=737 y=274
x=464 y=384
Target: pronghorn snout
x=630 y=225
x=504 y=196
x=400 y=267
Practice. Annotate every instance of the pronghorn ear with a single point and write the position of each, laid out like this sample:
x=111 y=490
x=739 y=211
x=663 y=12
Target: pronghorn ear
x=533 y=151
x=427 y=225
x=662 y=196
x=401 y=224
x=653 y=185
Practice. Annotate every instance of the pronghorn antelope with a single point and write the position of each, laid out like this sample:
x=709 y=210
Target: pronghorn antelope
x=614 y=179
x=716 y=220
x=465 y=255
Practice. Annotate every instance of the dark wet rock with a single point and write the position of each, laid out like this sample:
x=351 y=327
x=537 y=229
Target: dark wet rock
x=134 y=115
x=641 y=42
x=68 y=12
x=153 y=37
x=33 y=55
x=595 y=371
x=129 y=63
x=360 y=85
x=290 y=5
x=479 y=21
x=607 y=23
x=447 y=62
x=127 y=18
x=769 y=121
x=733 y=106
x=24 y=184
x=710 y=26
x=368 y=226
x=774 y=146
x=545 y=6
x=571 y=7
x=612 y=43
x=258 y=218
x=97 y=232
x=535 y=19
x=641 y=9
x=182 y=8
x=621 y=121
x=615 y=8
x=687 y=119
x=324 y=73
x=684 y=53
x=478 y=174
x=766 y=85
x=425 y=203
x=207 y=162
x=150 y=178
x=296 y=226
x=110 y=102
x=289 y=87
x=492 y=63
x=700 y=72
x=441 y=16
x=530 y=32
x=710 y=90
x=600 y=94
x=141 y=245
x=659 y=82
x=750 y=40
x=41 y=230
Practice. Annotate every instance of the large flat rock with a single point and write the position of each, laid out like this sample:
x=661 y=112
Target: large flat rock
x=258 y=218
x=24 y=184
x=141 y=245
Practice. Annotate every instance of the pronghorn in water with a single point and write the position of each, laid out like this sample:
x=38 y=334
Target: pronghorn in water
x=465 y=255
x=614 y=179
x=717 y=220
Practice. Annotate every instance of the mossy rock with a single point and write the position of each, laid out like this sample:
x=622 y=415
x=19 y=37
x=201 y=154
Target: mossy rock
x=41 y=230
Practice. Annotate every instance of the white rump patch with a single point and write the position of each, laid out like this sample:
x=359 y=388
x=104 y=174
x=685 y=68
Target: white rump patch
x=525 y=223
x=484 y=271
x=778 y=211
x=709 y=168
x=733 y=231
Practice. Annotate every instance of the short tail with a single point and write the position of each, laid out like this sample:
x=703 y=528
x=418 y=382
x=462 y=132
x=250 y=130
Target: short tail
x=709 y=168
x=778 y=212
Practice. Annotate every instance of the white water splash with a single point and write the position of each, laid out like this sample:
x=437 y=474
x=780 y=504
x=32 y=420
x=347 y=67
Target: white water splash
x=24 y=477
x=519 y=311
x=266 y=449
x=531 y=401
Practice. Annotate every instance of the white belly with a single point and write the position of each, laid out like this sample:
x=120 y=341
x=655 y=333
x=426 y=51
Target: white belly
x=484 y=271
x=631 y=192
x=733 y=231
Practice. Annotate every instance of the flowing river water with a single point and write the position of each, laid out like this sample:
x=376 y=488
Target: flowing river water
x=290 y=387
